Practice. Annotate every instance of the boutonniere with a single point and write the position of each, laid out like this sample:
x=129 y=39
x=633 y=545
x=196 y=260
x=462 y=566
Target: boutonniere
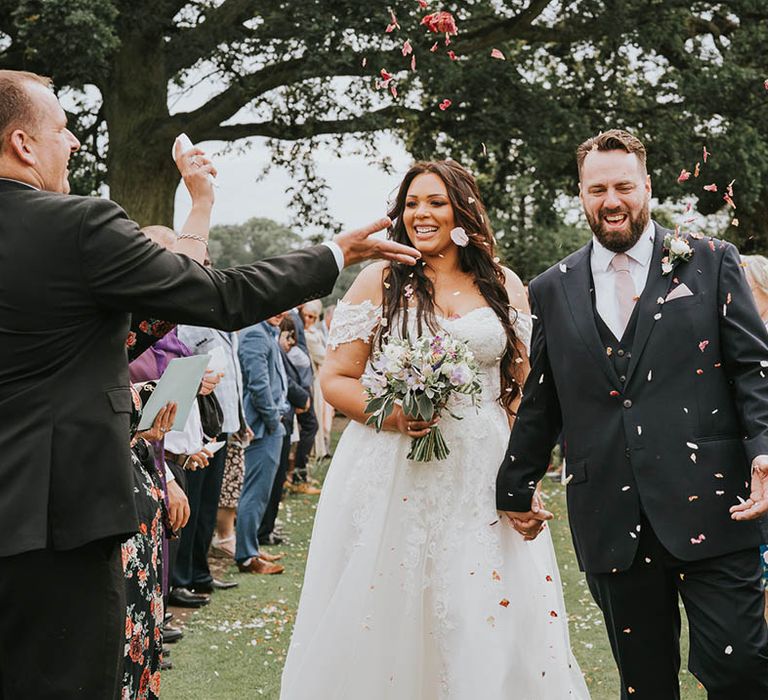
x=676 y=250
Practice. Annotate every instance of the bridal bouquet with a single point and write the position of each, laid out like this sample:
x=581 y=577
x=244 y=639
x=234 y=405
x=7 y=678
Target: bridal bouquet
x=422 y=375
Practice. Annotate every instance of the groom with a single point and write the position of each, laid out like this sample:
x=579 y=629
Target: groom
x=659 y=381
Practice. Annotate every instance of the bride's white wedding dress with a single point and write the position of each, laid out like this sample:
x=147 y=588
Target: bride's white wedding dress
x=414 y=589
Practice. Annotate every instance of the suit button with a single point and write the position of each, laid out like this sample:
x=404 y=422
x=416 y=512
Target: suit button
x=627 y=403
x=623 y=378
x=620 y=353
x=626 y=453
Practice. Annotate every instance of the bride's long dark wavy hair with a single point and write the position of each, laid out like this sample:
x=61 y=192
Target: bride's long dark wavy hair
x=477 y=259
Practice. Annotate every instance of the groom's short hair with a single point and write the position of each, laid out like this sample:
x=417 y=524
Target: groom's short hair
x=17 y=108
x=612 y=140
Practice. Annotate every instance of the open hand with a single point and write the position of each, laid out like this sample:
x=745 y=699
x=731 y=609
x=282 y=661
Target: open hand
x=358 y=245
x=161 y=425
x=757 y=503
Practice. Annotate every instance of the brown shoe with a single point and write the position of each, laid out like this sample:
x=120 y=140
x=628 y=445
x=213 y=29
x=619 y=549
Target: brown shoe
x=259 y=566
x=270 y=557
x=306 y=489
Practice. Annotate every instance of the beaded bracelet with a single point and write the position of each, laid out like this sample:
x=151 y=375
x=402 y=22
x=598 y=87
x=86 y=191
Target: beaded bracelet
x=193 y=236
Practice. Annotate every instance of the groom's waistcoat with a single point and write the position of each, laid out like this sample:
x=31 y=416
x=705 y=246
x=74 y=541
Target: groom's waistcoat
x=665 y=422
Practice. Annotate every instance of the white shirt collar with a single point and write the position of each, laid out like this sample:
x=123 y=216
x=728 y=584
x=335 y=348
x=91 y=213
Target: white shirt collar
x=641 y=252
x=10 y=179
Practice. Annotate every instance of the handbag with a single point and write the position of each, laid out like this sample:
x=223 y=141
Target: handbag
x=211 y=415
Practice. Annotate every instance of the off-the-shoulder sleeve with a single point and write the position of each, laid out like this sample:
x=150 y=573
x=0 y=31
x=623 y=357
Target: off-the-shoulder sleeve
x=523 y=328
x=353 y=322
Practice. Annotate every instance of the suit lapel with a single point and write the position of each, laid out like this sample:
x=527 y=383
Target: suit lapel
x=576 y=286
x=656 y=287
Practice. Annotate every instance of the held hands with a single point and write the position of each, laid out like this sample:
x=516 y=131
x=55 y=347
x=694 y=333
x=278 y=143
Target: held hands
x=757 y=503
x=358 y=245
x=195 y=169
x=530 y=524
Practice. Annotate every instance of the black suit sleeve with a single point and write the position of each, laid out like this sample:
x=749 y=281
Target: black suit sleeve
x=536 y=427
x=744 y=344
x=124 y=270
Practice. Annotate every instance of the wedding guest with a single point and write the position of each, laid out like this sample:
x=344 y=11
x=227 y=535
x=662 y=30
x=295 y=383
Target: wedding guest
x=64 y=519
x=756 y=269
x=265 y=400
x=316 y=346
x=205 y=485
x=223 y=542
x=299 y=402
x=142 y=555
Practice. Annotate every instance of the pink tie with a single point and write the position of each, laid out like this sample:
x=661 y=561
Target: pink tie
x=625 y=288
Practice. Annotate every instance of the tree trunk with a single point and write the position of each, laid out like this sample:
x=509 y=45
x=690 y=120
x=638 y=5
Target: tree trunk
x=142 y=176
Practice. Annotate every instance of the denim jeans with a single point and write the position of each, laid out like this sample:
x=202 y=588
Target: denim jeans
x=262 y=458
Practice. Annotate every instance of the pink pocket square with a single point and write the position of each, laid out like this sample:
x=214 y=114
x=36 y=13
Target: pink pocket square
x=678 y=293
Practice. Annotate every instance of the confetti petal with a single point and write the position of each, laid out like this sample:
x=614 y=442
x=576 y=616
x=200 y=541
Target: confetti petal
x=495 y=53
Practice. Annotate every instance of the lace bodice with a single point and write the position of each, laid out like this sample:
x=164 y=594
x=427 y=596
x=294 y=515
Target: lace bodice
x=480 y=328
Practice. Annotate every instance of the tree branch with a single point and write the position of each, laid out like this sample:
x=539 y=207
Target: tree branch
x=227 y=103
x=384 y=118
x=219 y=26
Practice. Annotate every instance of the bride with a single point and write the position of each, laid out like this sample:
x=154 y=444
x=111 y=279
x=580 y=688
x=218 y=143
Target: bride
x=415 y=589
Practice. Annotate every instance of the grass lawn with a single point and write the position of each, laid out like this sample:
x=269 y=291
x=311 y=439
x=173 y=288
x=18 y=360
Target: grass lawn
x=235 y=647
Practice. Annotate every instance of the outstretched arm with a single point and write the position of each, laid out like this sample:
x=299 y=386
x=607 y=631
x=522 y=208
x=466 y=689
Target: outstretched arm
x=536 y=427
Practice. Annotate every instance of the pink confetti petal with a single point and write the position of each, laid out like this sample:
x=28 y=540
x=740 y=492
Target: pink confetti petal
x=495 y=53
x=711 y=188
x=683 y=176
x=445 y=104
x=407 y=48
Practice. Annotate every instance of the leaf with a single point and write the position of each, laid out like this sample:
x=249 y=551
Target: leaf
x=426 y=409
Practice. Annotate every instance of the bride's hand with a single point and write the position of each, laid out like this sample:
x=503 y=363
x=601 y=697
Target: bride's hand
x=408 y=425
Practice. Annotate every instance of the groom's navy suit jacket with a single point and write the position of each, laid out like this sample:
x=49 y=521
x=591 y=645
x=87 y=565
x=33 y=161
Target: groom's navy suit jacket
x=676 y=438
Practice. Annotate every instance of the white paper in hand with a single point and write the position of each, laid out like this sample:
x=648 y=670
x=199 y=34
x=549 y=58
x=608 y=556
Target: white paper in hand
x=186 y=145
x=179 y=385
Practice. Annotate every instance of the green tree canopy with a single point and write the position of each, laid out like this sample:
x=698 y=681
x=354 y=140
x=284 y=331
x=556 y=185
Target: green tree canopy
x=679 y=73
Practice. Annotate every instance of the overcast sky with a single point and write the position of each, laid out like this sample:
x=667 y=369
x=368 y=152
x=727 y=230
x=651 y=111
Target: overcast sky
x=358 y=192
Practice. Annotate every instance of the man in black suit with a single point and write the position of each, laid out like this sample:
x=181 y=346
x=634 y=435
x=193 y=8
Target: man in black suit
x=649 y=354
x=72 y=269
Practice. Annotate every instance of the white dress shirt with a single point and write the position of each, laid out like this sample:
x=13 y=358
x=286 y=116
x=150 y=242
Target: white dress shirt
x=337 y=253
x=603 y=276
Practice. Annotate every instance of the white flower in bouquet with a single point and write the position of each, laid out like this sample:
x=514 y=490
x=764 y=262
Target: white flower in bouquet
x=422 y=375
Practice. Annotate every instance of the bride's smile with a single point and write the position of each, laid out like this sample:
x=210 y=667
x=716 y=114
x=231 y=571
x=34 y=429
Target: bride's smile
x=428 y=215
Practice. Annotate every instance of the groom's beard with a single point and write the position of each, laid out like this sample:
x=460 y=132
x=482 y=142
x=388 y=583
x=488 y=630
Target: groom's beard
x=619 y=241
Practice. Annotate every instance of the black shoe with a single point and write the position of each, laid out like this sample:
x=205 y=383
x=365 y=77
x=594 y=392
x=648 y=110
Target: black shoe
x=271 y=540
x=171 y=634
x=214 y=585
x=184 y=598
x=168 y=617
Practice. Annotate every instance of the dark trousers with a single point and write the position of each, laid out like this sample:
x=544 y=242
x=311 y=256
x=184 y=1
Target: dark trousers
x=62 y=623
x=308 y=427
x=203 y=488
x=270 y=515
x=723 y=600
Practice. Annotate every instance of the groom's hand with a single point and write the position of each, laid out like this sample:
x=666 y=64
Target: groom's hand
x=359 y=245
x=531 y=523
x=757 y=503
